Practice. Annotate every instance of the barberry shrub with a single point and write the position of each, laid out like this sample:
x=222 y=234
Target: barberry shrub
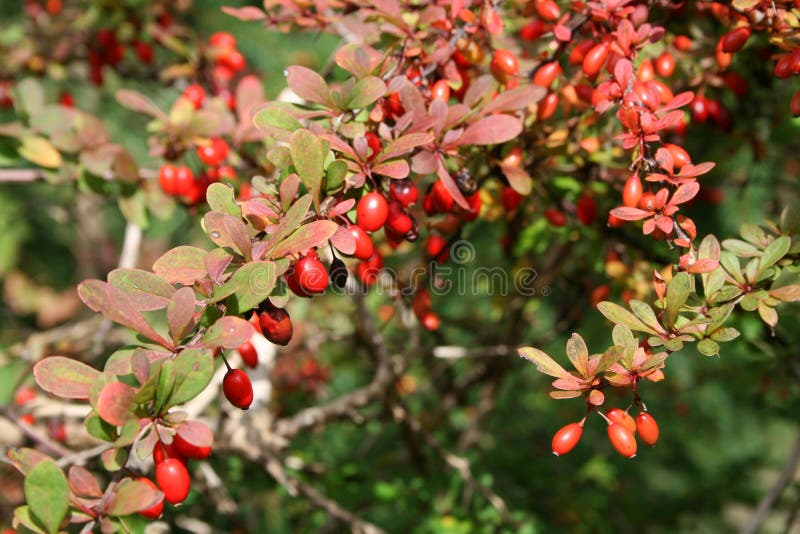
x=372 y=237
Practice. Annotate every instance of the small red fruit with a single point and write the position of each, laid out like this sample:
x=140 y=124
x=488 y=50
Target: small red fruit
x=24 y=395
x=184 y=182
x=144 y=52
x=189 y=450
x=682 y=43
x=195 y=94
x=510 y=198
x=311 y=275
x=547 y=107
x=364 y=247
x=237 y=389
x=440 y=91
x=622 y=439
x=504 y=65
x=665 y=65
x=249 y=355
x=437 y=248
x=372 y=211
x=154 y=512
x=647 y=427
x=618 y=415
x=679 y=156
x=546 y=74
x=586 y=210
x=532 y=30
x=548 y=9
x=632 y=192
x=222 y=40
x=374 y=144
x=276 y=325
x=398 y=222
x=648 y=201
x=369 y=270
x=166 y=179
x=734 y=40
x=213 y=153
x=555 y=217
x=595 y=59
x=699 y=109
x=404 y=191
x=162 y=452
x=173 y=479
x=566 y=438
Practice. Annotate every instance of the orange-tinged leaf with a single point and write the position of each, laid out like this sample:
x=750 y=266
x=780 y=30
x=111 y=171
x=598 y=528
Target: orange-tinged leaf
x=544 y=363
x=64 y=377
x=115 y=402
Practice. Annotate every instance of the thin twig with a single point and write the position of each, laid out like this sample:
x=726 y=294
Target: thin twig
x=20 y=175
x=771 y=497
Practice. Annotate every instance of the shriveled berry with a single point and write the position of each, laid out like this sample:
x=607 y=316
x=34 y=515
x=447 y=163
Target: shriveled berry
x=338 y=273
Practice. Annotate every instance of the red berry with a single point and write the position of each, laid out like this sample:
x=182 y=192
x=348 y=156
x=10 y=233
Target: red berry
x=234 y=60
x=682 y=43
x=734 y=40
x=647 y=427
x=547 y=107
x=24 y=395
x=393 y=106
x=532 y=30
x=548 y=9
x=622 y=439
x=595 y=59
x=440 y=91
x=510 y=198
x=144 y=51
x=441 y=197
x=364 y=247
x=173 y=479
x=566 y=438
x=546 y=74
x=398 y=222
x=699 y=109
x=404 y=191
x=475 y=203
x=166 y=179
x=665 y=65
x=162 y=452
x=431 y=321
x=222 y=40
x=237 y=389
x=66 y=100
x=586 y=210
x=632 y=192
x=6 y=99
x=368 y=270
x=276 y=325
x=372 y=211
x=618 y=415
x=437 y=248
x=374 y=144
x=648 y=201
x=189 y=450
x=195 y=94
x=504 y=65
x=184 y=181
x=614 y=221
x=555 y=217
x=213 y=153
x=311 y=275
x=249 y=355
x=154 y=512
x=679 y=156
x=577 y=54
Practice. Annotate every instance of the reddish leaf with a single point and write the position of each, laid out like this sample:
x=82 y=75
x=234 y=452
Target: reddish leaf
x=491 y=130
x=308 y=85
x=664 y=159
x=196 y=433
x=82 y=483
x=64 y=377
x=244 y=13
x=678 y=101
x=229 y=332
x=358 y=59
x=183 y=265
x=630 y=214
x=685 y=193
x=25 y=459
x=706 y=265
x=145 y=290
x=288 y=190
x=138 y=102
x=623 y=71
x=366 y=91
x=343 y=241
x=180 y=313
x=216 y=262
x=562 y=33
x=311 y=235
x=259 y=212
x=115 y=402
x=690 y=170
x=403 y=145
x=451 y=186
x=342 y=207
x=518 y=178
x=397 y=169
x=515 y=99
x=131 y=496
x=568 y=384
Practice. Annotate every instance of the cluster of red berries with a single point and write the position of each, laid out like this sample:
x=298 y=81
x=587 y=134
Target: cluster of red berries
x=622 y=430
x=108 y=50
x=172 y=476
x=180 y=181
x=228 y=62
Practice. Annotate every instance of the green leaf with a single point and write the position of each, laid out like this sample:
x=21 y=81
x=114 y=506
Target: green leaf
x=312 y=235
x=578 y=354
x=193 y=370
x=47 y=495
x=731 y=264
x=291 y=221
x=708 y=347
x=366 y=91
x=678 y=291
x=114 y=459
x=643 y=311
x=166 y=383
x=335 y=174
x=619 y=315
x=25 y=459
x=753 y=234
x=774 y=252
x=131 y=496
x=99 y=429
x=10 y=375
x=308 y=85
x=221 y=198
x=248 y=286
x=30 y=96
x=743 y=249
x=611 y=356
x=273 y=116
x=308 y=158
x=22 y=515
x=725 y=334
x=544 y=363
x=64 y=377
